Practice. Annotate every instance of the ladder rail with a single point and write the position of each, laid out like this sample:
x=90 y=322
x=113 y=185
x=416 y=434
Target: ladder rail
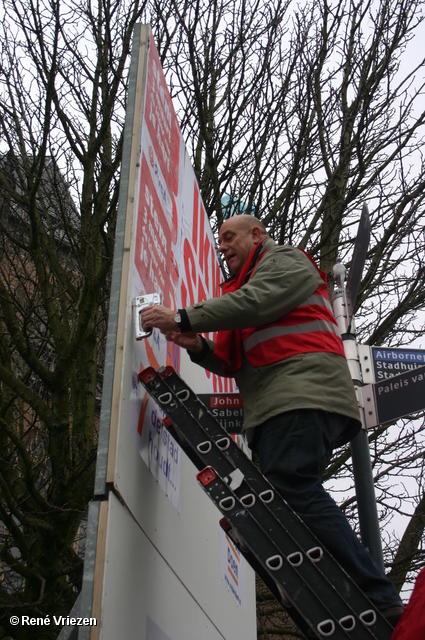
x=296 y=586
x=208 y=444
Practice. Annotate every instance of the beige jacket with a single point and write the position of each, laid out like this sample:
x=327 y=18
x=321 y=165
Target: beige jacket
x=282 y=280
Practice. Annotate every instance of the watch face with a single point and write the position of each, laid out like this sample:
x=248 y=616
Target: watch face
x=177 y=318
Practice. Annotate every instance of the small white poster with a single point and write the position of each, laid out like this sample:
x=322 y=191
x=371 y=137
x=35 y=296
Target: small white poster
x=232 y=567
x=161 y=453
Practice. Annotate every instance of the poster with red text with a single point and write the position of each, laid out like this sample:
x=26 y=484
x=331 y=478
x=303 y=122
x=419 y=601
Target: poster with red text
x=175 y=256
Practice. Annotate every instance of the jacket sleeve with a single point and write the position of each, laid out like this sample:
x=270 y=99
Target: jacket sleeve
x=208 y=361
x=282 y=280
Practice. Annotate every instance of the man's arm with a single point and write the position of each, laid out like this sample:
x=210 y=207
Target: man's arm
x=282 y=281
x=201 y=351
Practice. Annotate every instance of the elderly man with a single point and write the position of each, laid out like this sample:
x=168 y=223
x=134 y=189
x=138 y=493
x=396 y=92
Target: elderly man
x=278 y=337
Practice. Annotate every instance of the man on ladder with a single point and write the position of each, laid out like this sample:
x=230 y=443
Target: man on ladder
x=278 y=337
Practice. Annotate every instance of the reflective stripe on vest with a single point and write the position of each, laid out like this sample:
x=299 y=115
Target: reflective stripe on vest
x=303 y=330
x=277 y=330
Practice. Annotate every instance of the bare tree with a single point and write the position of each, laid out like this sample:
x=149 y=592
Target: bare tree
x=63 y=81
x=299 y=115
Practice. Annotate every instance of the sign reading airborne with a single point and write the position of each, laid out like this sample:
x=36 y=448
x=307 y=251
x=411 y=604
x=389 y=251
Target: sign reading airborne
x=389 y=362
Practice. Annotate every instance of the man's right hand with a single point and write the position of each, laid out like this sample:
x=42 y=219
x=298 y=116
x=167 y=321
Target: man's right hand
x=190 y=341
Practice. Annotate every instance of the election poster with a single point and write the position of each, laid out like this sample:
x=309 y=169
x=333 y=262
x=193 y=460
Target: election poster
x=175 y=256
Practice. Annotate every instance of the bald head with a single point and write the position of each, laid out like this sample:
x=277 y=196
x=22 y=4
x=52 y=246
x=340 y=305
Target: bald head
x=244 y=221
x=237 y=238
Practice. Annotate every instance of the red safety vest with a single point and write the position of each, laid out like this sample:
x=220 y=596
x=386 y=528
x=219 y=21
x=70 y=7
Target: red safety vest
x=311 y=327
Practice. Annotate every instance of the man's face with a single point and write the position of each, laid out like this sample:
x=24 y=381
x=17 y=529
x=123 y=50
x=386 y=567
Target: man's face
x=235 y=242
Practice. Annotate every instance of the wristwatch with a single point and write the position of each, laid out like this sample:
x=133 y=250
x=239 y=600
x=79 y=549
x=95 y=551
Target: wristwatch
x=182 y=320
x=178 y=318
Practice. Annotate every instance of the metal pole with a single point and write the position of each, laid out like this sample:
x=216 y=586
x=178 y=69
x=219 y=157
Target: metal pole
x=362 y=466
x=366 y=500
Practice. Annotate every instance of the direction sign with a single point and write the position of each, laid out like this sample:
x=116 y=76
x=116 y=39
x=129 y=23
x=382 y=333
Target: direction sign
x=395 y=397
x=389 y=362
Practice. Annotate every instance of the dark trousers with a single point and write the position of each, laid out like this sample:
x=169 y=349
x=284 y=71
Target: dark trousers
x=294 y=449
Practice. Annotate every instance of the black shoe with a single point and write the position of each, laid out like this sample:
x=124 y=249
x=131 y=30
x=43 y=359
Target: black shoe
x=393 y=614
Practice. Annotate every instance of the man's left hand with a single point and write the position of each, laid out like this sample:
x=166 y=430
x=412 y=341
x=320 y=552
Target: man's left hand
x=160 y=317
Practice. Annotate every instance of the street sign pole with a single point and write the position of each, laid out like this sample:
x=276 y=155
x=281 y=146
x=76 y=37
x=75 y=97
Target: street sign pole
x=366 y=499
x=343 y=303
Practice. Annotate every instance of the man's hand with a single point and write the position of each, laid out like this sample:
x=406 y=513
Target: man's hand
x=163 y=319
x=190 y=341
x=159 y=317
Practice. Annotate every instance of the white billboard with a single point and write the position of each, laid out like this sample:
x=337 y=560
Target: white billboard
x=157 y=571
x=174 y=256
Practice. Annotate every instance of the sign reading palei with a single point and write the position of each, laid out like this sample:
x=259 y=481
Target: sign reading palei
x=175 y=257
x=399 y=395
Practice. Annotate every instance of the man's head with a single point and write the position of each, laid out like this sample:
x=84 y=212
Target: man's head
x=237 y=237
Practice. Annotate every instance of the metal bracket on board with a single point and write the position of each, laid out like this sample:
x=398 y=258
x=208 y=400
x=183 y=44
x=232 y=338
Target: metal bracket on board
x=139 y=303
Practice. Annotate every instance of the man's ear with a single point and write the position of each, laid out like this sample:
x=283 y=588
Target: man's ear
x=256 y=235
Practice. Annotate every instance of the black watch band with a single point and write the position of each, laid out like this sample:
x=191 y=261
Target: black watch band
x=182 y=320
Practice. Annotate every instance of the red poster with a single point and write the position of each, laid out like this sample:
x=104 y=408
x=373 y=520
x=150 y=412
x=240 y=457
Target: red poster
x=153 y=238
x=162 y=123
